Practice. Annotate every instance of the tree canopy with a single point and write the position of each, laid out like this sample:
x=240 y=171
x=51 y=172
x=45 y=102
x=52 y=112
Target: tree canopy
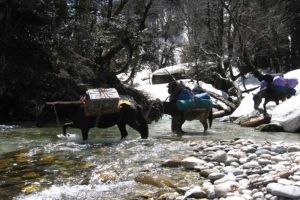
x=56 y=49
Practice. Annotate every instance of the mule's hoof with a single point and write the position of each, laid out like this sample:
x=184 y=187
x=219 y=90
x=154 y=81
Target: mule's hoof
x=179 y=132
x=63 y=136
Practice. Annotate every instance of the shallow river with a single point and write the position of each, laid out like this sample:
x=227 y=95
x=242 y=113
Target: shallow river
x=37 y=163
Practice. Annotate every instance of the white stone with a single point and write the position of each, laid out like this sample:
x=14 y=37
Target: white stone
x=191 y=162
x=258 y=195
x=288 y=191
x=251 y=164
x=223 y=188
x=237 y=153
x=195 y=192
x=228 y=177
x=219 y=156
x=235 y=171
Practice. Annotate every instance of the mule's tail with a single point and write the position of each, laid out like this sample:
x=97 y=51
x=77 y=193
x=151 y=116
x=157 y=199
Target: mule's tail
x=210 y=118
x=143 y=123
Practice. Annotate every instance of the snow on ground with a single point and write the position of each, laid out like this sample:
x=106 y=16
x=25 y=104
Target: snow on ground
x=286 y=114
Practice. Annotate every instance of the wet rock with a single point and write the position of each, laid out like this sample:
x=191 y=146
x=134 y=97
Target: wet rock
x=168 y=196
x=195 y=192
x=191 y=162
x=157 y=181
x=171 y=163
x=215 y=175
x=107 y=177
x=31 y=188
x=30 y=175
x=206 y=172
x=270 y=128
x=288 y=191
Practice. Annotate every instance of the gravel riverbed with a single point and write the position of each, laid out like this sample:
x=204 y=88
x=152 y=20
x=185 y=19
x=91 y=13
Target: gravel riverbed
x=236 y=170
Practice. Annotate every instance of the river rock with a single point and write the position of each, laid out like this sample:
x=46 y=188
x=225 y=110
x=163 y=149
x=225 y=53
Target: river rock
x=293 y=148
x=235 y=171
x=251 y=164
x=228 y=177
x=191 y=162
x=215 y=176
x=195 y=192
x=231 y=159
x=278 y=148
x=296 y=178
x=279 y=158
x=222 y=189
x=249 y=149
x=237 y=154
x=219 y=156
x=271 y=127
x=168 y=196
x=264 y=161
x=258 y=195
x=288 y=191
x=206 y=172
x=171 y=163
x=262 y=151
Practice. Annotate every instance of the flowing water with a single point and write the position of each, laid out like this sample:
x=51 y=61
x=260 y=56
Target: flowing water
x=38 y=163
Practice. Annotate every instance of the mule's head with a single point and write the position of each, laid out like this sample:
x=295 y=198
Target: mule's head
x=257 y=100
x=153 y=111
x=45 y=114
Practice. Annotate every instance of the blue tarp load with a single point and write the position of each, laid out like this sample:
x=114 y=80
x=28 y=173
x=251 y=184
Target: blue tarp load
x=199 y=101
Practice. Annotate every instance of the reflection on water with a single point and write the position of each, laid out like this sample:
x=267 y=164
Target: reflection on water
x=41 y=164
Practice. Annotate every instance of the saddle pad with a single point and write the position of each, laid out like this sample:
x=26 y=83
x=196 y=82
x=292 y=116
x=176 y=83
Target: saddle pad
x=124 y=101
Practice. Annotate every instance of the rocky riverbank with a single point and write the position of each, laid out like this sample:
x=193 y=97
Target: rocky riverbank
x=232 y=169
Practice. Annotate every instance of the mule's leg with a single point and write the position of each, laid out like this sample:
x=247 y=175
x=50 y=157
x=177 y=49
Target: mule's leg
x=123 y=131
x=176 y=124
x=204 y=123
x=65 y=126
x=85 y=134
x=180 y=123
x=141 y=128
x=203 y=119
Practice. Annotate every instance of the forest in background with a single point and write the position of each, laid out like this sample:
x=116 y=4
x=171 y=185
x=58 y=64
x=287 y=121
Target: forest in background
x=56 y=49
